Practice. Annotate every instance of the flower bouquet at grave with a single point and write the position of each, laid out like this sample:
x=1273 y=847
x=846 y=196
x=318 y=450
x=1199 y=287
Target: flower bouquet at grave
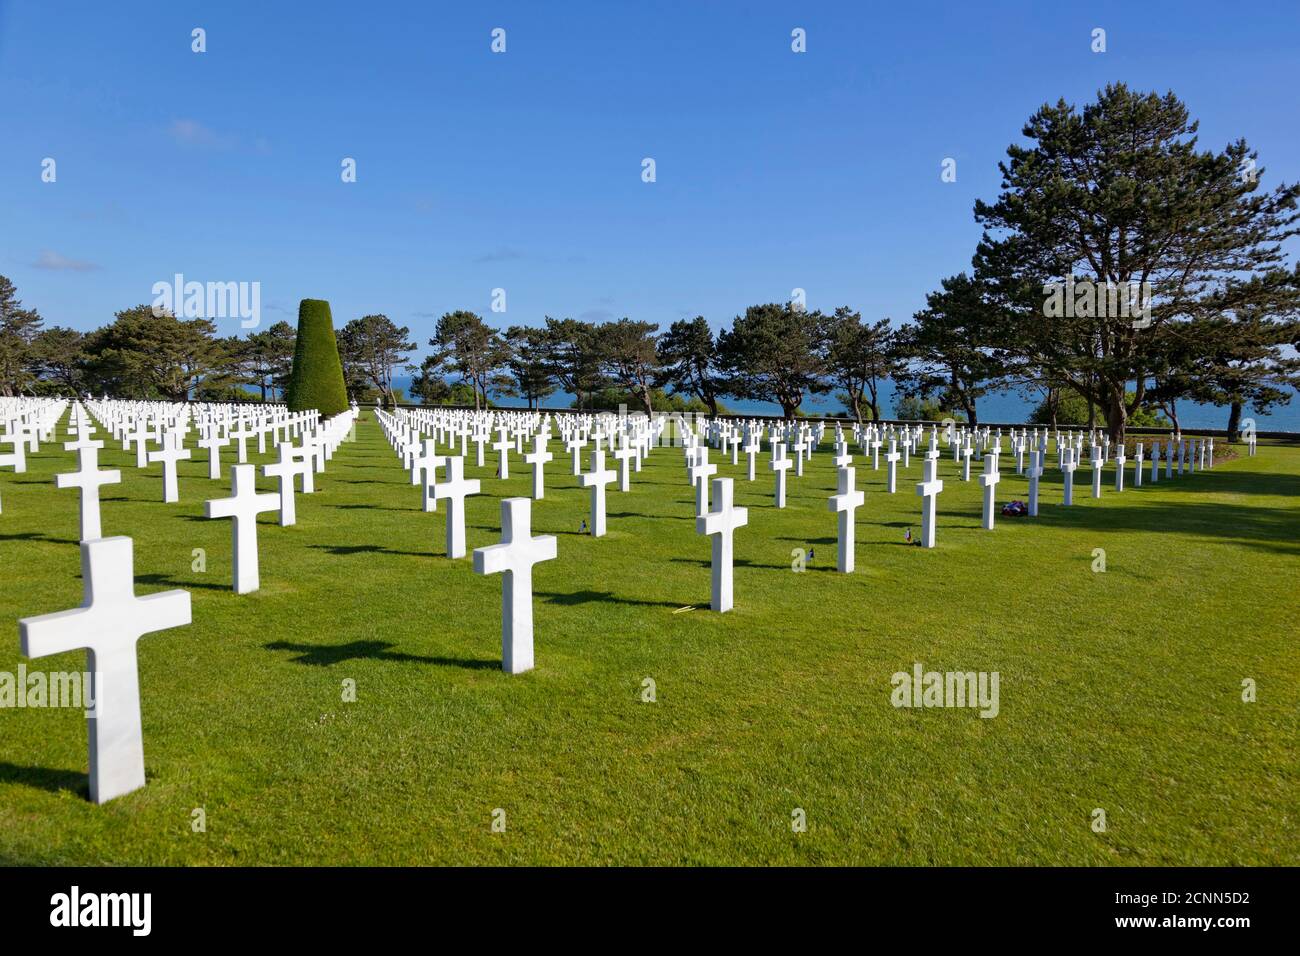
x=1015 y=509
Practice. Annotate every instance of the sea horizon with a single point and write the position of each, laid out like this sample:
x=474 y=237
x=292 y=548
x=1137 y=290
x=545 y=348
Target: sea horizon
x=1008 y=407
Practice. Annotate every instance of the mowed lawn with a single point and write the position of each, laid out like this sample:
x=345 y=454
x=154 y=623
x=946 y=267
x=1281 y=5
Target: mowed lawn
x=1119 y=690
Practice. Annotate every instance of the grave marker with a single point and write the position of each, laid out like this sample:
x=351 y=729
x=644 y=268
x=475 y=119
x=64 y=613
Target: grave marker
x=109 y=623
x=514 y=558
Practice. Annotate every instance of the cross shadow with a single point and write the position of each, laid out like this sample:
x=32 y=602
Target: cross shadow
x=373 y=508
x=324 y=655
x=1266 y=529
x=46 y=778
x=602 y=597
x=810 y=540
x=162 y=580
x=738 y=562
x=635 y=514
x=350 y=549
x=37 y=536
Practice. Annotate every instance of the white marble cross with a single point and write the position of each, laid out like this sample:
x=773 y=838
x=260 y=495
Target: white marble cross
x=842 y=457
x=427 y=463
x=108 y=624
x=625 y=455
x=171 y=452
x=285 y=469
x=574 y=446
x=514 y=558
x=88 y=479
x=241 y=436
x=846 y=501
x=699 y=472
x=455 y=489
x=140 y=439
x=596 y=480
x=798 y=447
x=1035 y=473
x=780 y=465
x=538 y=458
x=1137 y=464
x=1155 y=462
x=989 y=480
x=244 y=505
x=502 y=446
x=751 y=449
x=928 y=488
x=1120 y=461
x=16 y=459
x=891 y=458
x=1067 y=467
x=719 y=524
x=1098 y=459
x=214 y=443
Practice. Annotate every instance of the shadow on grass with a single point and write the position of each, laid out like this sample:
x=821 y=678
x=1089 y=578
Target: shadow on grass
x=1268 y=529
x=637 y=514
x=162 y=580
x=345 y=550
x=598 y=597
x=372 y=508
x=36 y=536
x=323 y=655
x=45 y=778
x=738 y=562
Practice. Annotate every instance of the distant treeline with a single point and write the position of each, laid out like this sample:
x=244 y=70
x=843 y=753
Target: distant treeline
x=1121 y=270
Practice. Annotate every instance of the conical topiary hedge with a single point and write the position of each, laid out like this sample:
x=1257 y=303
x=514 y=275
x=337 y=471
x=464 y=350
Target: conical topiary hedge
x=317 y=378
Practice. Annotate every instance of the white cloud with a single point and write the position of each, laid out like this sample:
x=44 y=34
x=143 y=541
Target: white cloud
x=52 y=260
x=503 y=254
x=190 y=132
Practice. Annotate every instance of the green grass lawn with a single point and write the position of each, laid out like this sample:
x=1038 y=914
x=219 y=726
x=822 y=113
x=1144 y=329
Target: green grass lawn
x=1119 y=690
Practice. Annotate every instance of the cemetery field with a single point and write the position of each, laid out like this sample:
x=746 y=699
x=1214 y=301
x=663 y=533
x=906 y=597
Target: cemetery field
x=1120 y=690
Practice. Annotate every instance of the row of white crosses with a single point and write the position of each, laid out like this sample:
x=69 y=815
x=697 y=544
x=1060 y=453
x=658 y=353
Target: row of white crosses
x=245 y=503
x=629 y=439
x=137 y=424
x=112 y=619
x=518 y=551
x=26 y=422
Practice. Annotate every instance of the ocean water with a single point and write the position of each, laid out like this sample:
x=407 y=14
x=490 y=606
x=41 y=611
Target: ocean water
x=1009 y=407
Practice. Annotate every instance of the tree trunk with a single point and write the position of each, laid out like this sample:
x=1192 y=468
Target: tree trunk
x=1116 y=417
x=1234 y=422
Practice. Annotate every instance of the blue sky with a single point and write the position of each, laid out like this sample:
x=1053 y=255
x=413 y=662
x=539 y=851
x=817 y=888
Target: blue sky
x=522 y=170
